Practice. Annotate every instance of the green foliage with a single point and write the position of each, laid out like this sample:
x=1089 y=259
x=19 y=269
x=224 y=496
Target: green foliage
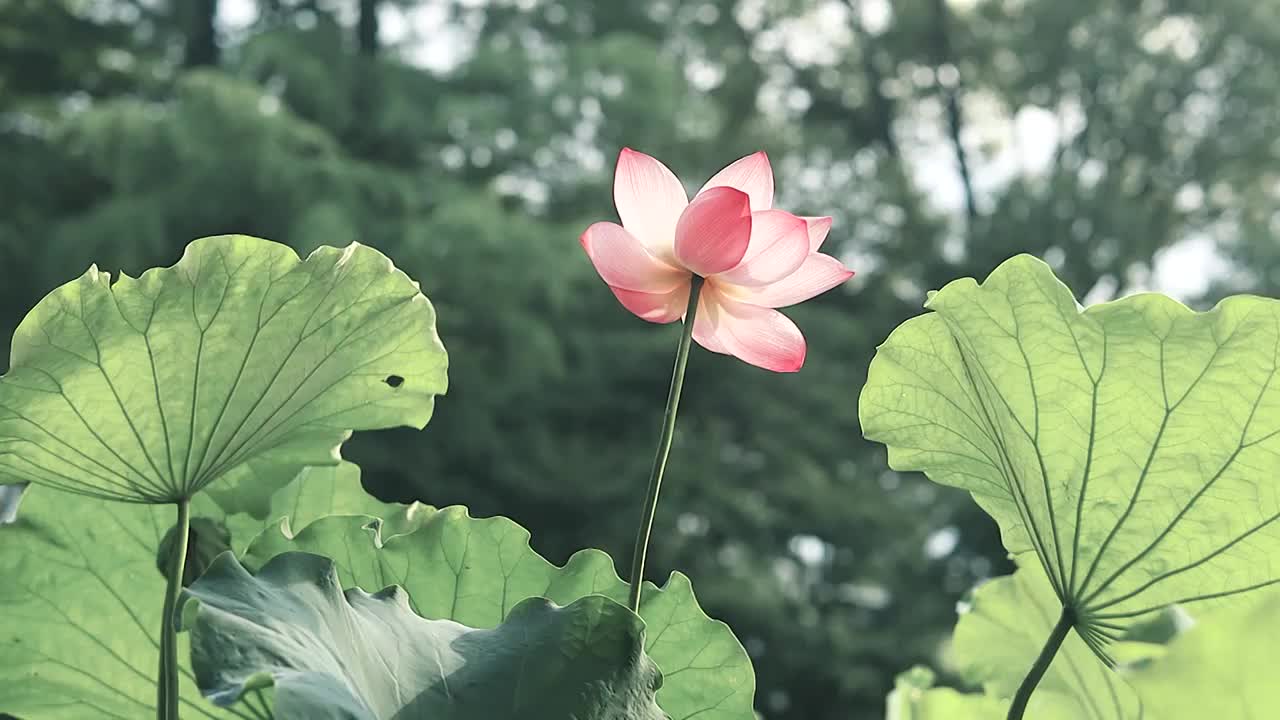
x=1118 y=445
x=356 y=656
x=77 y=569
x=476 y=571
x=149 y=389
x=915 y=698
x=321 y=491
x=1223 y=667
x=1001 y=631
x=1002 y=627
x=81 y=594
x=81 y=599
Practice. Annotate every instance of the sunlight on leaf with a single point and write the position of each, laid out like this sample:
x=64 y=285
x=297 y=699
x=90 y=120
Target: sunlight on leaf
x=1001 y=630
x=1224 y=667
x=474 y=571
x=149 y=389
x=80 y=594
x=354 y=656
x=1131 y=447
x=80 y=599
x=915 y=698
x=320 y=492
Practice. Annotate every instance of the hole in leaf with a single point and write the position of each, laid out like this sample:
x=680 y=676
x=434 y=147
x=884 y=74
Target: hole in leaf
x=394 y=381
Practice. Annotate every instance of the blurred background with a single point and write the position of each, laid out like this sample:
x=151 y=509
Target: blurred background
x=1133 y=145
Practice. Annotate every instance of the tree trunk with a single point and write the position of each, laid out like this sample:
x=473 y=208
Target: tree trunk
x=881 y=106
x=951 y=97
x=367 y=28
x=202 y=38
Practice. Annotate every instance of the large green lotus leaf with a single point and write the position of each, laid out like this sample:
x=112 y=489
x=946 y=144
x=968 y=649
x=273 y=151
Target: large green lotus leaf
x=354 y=656
x=149 y=389
x=80 y=594
x=1224 y=667
x=1132 y=447
x=474 y=571
x=914 y=698
x=1002 y=629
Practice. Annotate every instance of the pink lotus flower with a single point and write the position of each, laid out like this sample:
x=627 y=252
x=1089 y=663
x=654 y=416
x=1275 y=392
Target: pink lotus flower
x=754 y=258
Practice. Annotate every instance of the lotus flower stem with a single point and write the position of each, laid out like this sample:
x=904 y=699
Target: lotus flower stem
x=664 y=448
x=167 y=686
x=1028 y=686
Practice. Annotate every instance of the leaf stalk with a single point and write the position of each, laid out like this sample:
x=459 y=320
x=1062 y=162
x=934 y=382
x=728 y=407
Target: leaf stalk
x=643 y=533
x=167 y=683
x=1047 y=653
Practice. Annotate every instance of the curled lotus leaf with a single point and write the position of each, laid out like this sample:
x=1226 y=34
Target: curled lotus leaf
x=331 y=654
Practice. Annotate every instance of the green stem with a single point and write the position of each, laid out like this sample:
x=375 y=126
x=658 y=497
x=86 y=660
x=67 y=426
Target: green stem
x=664 y=448
x=167 y=685
x=1059 y=634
